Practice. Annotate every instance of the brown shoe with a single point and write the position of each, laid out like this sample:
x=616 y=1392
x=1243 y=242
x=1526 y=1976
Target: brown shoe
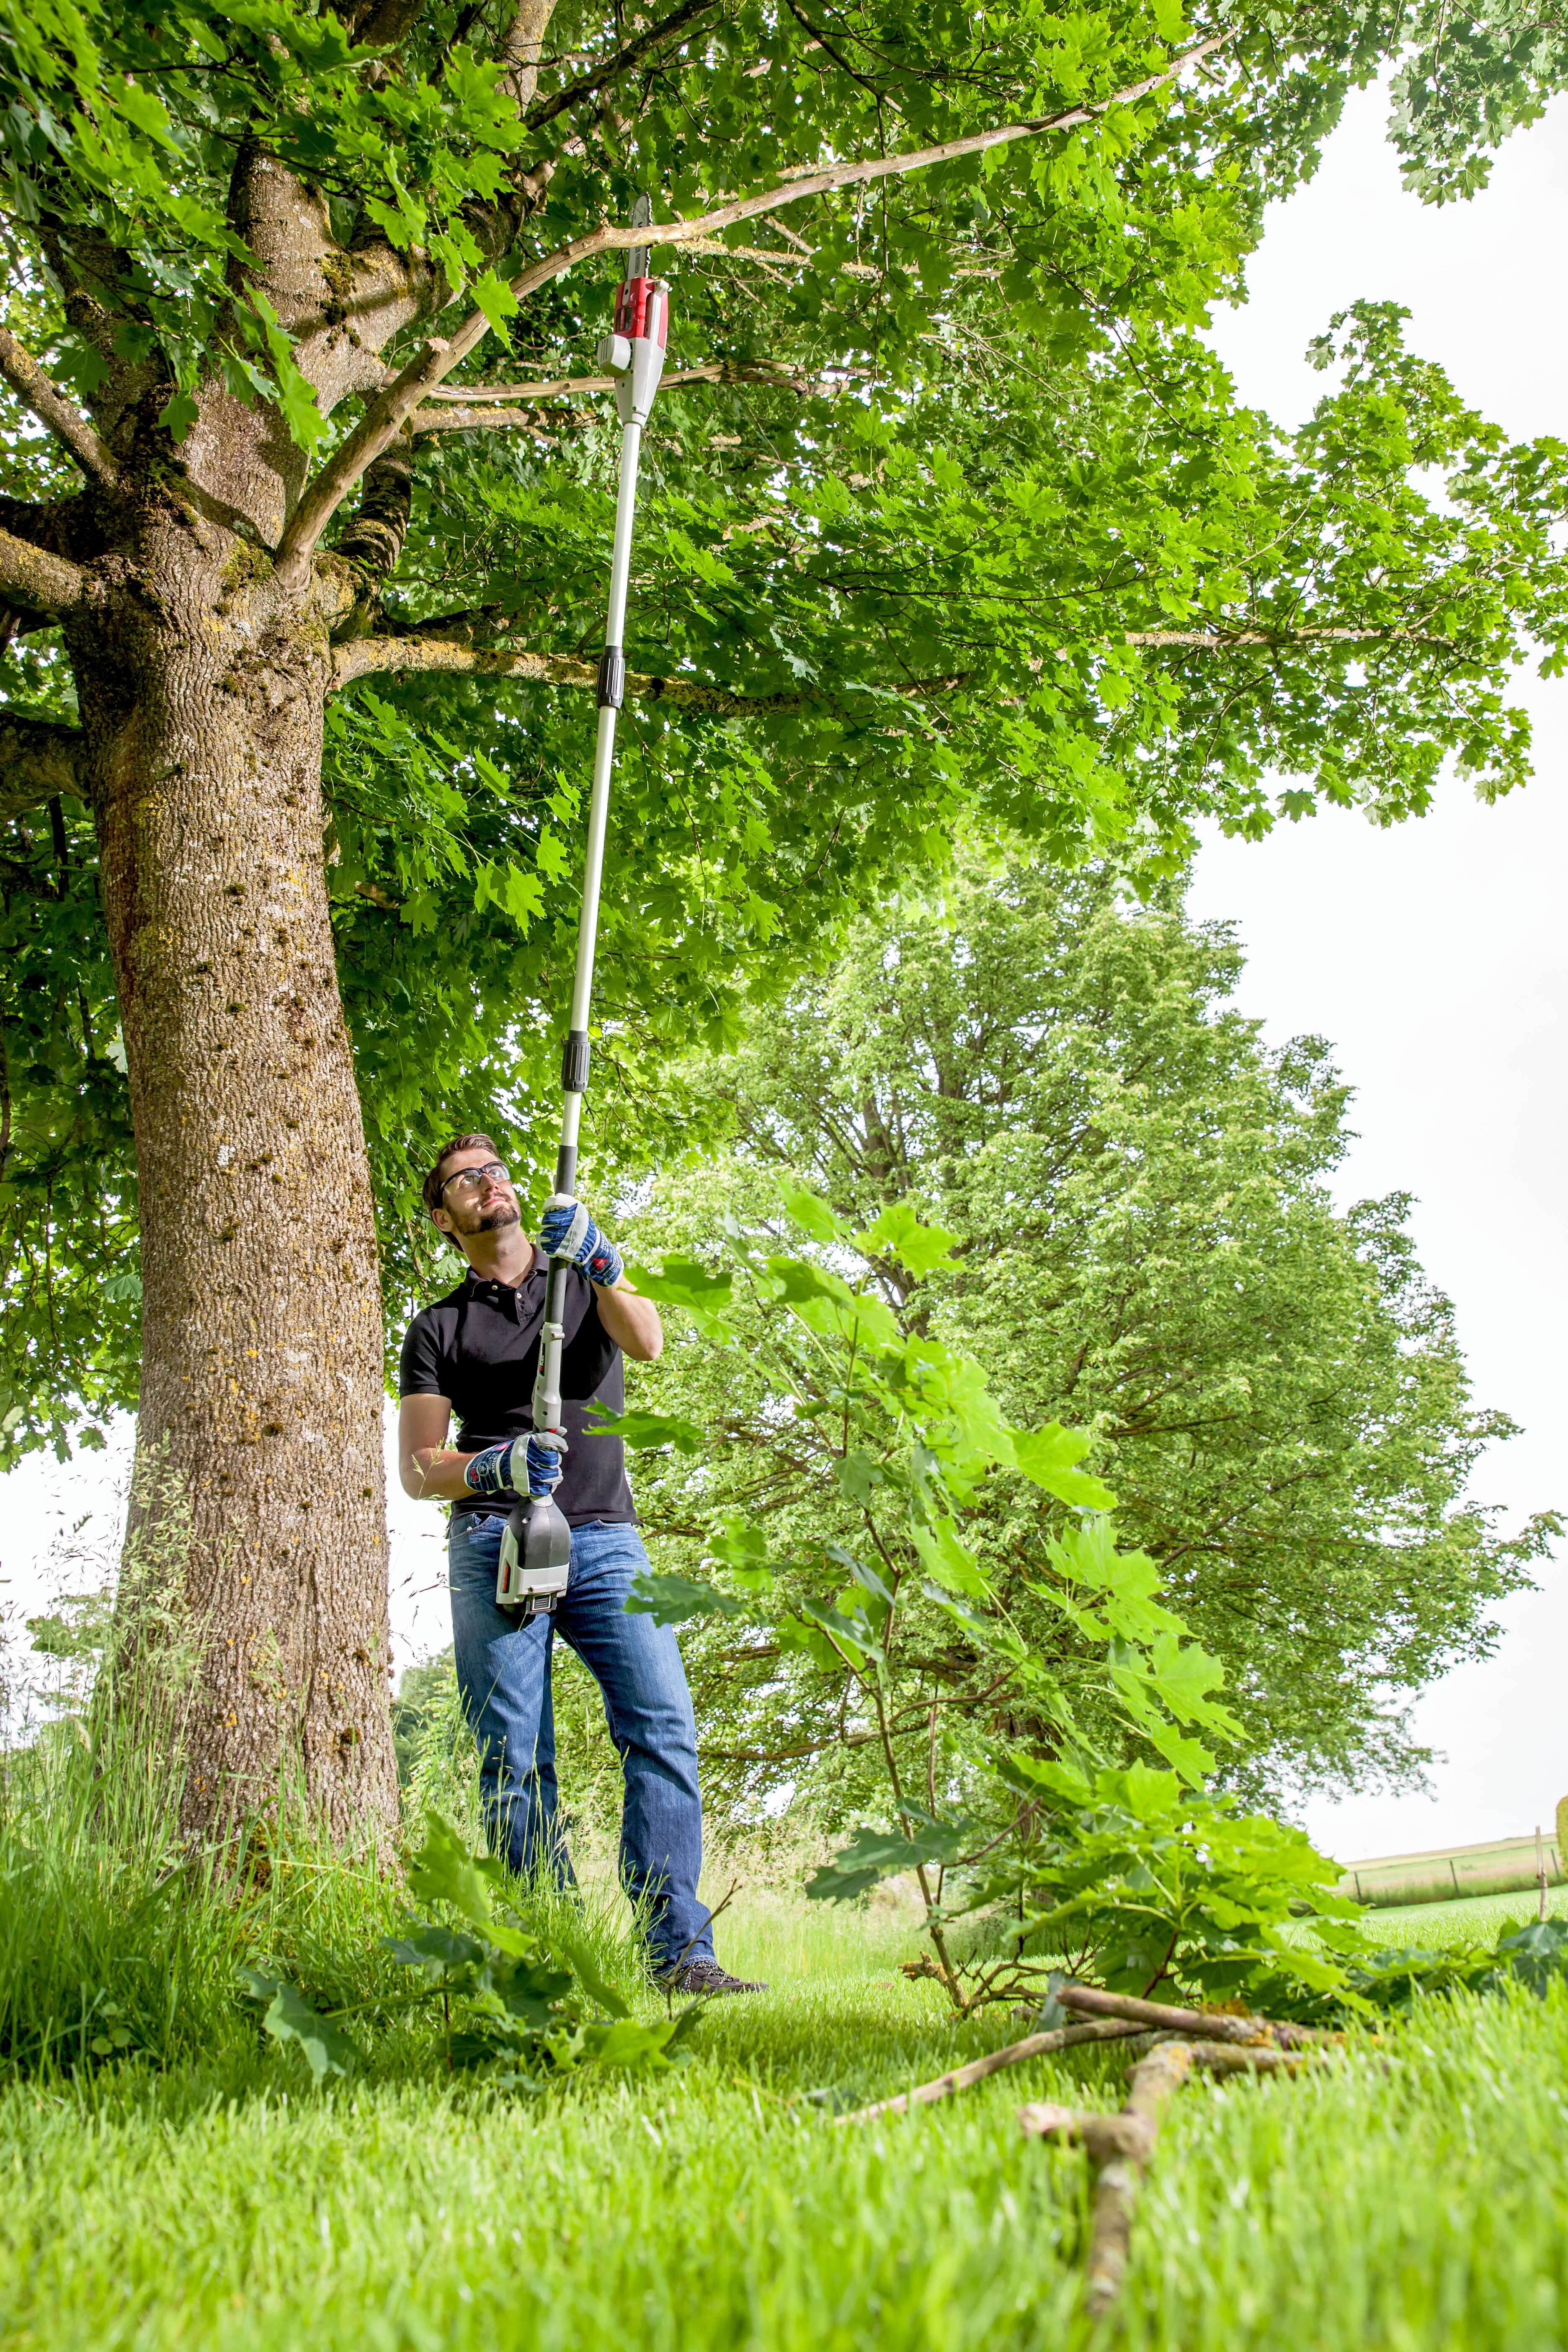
x=705 y=1977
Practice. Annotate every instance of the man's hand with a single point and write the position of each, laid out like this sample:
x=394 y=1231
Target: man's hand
x=495 y=1470
x=568 y=1231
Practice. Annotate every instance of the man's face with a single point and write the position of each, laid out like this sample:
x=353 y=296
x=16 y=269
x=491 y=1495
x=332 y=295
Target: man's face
x=476 y=1195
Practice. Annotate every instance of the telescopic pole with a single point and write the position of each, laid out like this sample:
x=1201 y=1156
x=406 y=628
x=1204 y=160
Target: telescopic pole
x=537 y=1551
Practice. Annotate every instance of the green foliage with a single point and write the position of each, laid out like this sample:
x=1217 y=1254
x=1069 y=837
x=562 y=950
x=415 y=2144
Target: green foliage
x=515 y=2005
x=918 y=1663
x=975 y=521
x=1534 y=1956
x=1052 y=1071
x=1143 y=1881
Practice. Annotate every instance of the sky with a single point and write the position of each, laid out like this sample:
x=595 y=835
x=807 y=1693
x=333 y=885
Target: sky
x=1435 y=957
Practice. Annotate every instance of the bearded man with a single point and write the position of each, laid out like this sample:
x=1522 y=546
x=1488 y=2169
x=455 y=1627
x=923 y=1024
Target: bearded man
x=474 y=1353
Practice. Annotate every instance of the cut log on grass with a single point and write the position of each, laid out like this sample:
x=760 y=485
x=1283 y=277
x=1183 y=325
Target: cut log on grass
x=1208 y=2024
x=1119 y=2147
x=959 y=2078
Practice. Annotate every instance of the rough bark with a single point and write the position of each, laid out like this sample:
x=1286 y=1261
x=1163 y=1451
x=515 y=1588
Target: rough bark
x=38 y=762
x=202 y=698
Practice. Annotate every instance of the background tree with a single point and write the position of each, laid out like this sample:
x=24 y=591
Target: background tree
x=1147 y=1249
x=947 y=502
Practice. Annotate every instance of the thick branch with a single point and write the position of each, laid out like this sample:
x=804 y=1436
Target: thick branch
x=437 y=357
x=37 y=581
x=50 y=406
x=519 y=50
x=38 y=760
x=621 y=62
x=373 y=540
x=405 y=655
x=358 y=657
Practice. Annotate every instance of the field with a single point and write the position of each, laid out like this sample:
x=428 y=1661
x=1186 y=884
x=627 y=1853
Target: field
x=1414 y=2197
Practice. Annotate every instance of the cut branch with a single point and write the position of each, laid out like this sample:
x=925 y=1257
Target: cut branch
x=39 y=760
x=50 y=406
x=1208 y=2024
x=1034 y=2045
x=37 y=581
x=1119 y=2146
x=437 y=357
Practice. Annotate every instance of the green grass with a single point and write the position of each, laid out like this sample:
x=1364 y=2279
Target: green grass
x=202 y=2193
x=1413 y=2197
x=1475 y=1919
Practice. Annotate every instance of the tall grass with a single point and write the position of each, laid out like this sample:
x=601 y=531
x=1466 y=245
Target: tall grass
x=188 y=2187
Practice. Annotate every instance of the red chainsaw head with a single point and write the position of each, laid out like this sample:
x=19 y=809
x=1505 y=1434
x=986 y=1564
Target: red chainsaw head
x=642 y=310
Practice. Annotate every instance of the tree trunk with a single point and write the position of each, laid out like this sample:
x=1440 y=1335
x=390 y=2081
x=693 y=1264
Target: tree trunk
x=202 y=696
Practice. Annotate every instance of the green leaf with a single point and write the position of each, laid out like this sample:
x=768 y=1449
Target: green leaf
x=445 y=1870
x=809 y=1211
x=495 y=298
x=644 y=1430
x=1045 y=1456
x=948 y=1558
x=683 y=1282
x=289 y=2017
x=899 y=1233
x=676 y=1599
x=577 y=1951
x=177 y=415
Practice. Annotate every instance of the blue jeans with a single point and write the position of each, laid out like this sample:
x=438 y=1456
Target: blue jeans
x=503 y=1676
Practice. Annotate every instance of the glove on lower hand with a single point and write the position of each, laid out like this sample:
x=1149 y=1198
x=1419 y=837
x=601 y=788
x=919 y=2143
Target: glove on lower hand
x=595 y=1251
x=494 y=1472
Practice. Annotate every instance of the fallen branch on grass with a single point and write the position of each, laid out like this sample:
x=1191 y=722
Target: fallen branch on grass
x=1211 y=2024
x=959 y=2078
x=1119 y=2147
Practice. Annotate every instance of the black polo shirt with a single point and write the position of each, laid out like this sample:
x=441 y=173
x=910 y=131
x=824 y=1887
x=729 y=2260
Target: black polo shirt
x=479 y=1347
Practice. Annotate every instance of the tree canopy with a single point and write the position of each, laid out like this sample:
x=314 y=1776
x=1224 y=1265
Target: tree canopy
x=1146 y=1247
x=946 y=505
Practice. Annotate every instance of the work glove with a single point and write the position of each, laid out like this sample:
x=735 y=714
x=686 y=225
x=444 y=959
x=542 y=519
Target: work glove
x=568 y=1231
x=491 y=1471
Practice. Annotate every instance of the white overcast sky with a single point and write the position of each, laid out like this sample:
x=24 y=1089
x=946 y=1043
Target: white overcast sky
x=1435 y=957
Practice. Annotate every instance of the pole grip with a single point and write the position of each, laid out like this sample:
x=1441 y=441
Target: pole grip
x=612 y=678
x=574 y=1058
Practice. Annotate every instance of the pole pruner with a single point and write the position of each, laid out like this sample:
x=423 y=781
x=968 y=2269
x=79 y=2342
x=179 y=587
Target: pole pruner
x=536 y=1548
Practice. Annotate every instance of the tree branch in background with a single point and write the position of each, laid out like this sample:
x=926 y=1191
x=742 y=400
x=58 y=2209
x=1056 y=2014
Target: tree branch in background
x=1215 y=641
x=37 y=581
x=49 y=405
x=631 y=54
x=39 y=760
x=437 y=357
x=519 y=50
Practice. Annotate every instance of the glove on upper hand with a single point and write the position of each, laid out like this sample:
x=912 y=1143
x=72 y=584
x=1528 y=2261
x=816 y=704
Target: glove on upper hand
x=595 y=1251
x=494 y=1472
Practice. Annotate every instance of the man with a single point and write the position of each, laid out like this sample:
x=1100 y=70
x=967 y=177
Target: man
x=474 y=1353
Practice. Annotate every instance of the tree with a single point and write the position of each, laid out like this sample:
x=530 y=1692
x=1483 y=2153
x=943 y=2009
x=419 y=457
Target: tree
x=982 y=522
x=1275 y=1392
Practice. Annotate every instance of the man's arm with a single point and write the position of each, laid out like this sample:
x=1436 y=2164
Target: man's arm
x=631 y=1321
x=429 y=1469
